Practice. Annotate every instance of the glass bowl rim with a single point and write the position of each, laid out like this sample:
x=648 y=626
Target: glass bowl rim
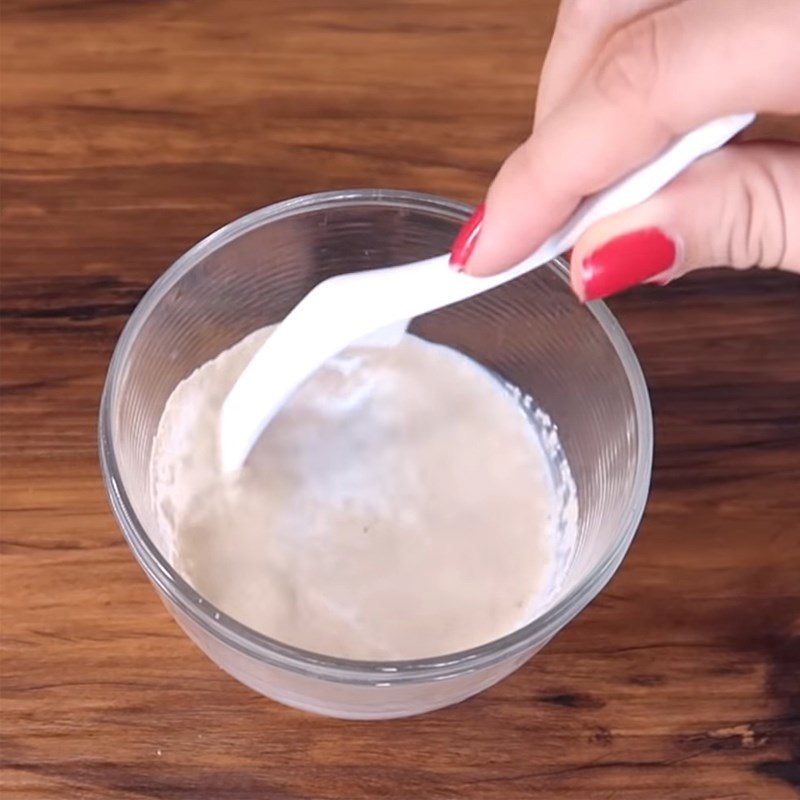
x=340 y=670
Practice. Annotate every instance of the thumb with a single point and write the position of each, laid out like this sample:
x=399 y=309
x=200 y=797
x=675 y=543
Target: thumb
x=738 y=207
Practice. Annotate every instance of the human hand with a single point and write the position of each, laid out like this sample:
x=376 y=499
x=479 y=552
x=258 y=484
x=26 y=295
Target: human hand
x=620 y=82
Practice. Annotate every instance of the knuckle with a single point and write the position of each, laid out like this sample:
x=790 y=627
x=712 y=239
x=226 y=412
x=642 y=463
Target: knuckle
x=755 y=219
x=631 y=63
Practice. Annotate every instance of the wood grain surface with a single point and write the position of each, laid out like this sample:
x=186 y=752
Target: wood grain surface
x=132 y=128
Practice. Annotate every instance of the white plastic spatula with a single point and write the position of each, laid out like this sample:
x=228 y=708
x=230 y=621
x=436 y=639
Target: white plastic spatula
x=374 y=307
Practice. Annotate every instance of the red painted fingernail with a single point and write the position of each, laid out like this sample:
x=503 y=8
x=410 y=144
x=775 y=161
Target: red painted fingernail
x=466 y=239
x=626 y=261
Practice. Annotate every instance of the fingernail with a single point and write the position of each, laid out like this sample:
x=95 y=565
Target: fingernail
x=626 y=261
x=466 y=239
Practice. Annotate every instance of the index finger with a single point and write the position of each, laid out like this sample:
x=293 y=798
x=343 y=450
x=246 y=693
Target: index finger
x=581 y=28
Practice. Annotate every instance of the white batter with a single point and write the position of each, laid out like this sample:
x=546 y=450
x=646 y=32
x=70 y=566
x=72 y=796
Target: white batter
x=399 y=506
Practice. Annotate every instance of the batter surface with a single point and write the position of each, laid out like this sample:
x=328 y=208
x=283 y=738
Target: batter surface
x=398 y=507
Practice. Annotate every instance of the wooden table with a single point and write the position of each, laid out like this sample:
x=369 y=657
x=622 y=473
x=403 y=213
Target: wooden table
x=132 y=129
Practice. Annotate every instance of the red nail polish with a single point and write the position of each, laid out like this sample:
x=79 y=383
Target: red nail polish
x=466 y=239
x=626 y=261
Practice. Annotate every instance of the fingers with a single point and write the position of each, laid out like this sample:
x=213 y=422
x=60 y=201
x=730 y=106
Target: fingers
x=656 y=77
x=581 y=29
x=737 y=207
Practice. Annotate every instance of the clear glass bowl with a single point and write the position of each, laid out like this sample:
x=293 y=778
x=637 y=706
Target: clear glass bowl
x=573 y=359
